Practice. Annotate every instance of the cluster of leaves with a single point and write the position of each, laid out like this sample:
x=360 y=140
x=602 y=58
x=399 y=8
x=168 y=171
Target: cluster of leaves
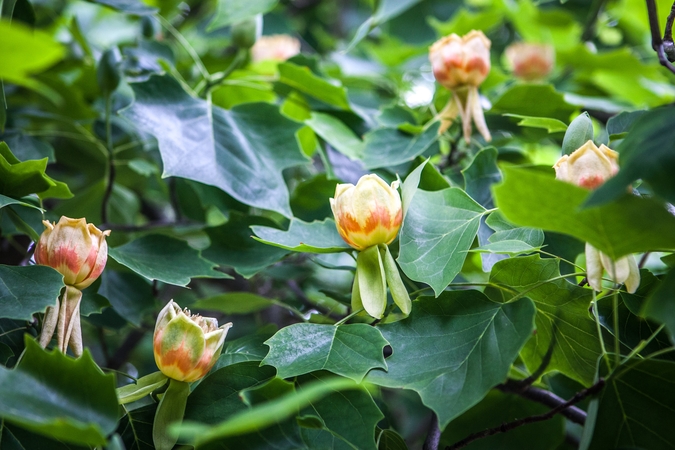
x=214 y=173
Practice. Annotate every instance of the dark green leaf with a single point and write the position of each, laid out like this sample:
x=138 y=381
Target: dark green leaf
x=386 y=10
x=390 y=440
x=628 y=225
x=130 y=295
x=247 y=348
x=233 y=246
x=619 y=125
x=234 y=303
x=136 y=428
x=337 y=134
x=646 y=153
x=438 y=230
x=32 y=396
x=315 y=237
x=27 y=290
x=453 y=349
x=562 y=308
x=347 y=350
x=635 y=409
x=251 y=141
x=386 y=147
x=6 y=201
x=166 y=259
x=660 y=306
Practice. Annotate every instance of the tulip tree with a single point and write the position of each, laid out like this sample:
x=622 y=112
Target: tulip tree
x=376 y=225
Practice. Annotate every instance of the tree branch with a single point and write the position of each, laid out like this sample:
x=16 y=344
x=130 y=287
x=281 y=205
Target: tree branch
x=503 y=428
x=434 y=435
x=657 y=42
x=544 y=397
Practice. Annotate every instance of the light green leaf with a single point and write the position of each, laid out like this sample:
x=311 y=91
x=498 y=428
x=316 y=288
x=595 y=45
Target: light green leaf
x=305 y=81
x=396 y=286
x=27 y=290
x=230 y=12
x=505 y=231
x=234 y=303
x=579 y=132
x=627 y=225
x=370 y=287
x=169 y=411
x=550 y=125
x=18 y=179
x=7 y=201
x=464 y=21
x=533 y=100
x=438 y=231
x=409 y=187
x=453 y=349
x=507 y=246
x=165 y=259
x=314 y=237
x=32 y=396
x=337 y=134
x=251 y=141
x=562 y=307
x=386 y=147
x=347 y=350
x=134 y=7
x=635 y=409
x=143 y=386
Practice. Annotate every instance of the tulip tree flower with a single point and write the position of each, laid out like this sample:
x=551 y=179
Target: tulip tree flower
x=277 y=47
x=461 y=64
x=186 y=346
x=78 y=251
x=368 y=216
x=589 y=167
x=529 y=61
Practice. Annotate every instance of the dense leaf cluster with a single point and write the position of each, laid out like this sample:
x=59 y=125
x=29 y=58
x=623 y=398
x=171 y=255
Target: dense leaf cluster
x=214 y=170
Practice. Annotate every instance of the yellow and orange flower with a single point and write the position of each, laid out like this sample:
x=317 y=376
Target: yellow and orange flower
x=75 y=248
x=187 y=346
x=369 y=213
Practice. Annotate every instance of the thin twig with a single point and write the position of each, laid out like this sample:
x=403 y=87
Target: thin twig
x=643 y=260
x=503 y=428
x=434 y=435
x=548 y=398
x=111 y=160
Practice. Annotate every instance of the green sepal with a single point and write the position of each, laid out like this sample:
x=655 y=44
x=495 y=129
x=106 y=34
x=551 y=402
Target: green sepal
x=143 y=386
x=170 y=410
x=398 y=291
x=371 y=281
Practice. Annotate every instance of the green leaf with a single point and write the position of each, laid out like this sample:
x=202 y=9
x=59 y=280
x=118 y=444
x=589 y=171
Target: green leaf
x=24 y=51
x=386 y=10
x=498 y=408
x=6 y=201
x=453 y=349
x=315 y=237
x=32 y=396
x=579 y=132
x=230 y=12
x=635 y=409
x=233 y=246
x=136 y=427
x=166 y=259
x=396 y=287
x=509 y=247
x=268 y=413
x=370 y=284
x=304 y=80
x=18 y=179
x=337 y=134
x=533 y=100
x=133 y=7
x=27 y=290
x=234 y=303
x=660 y=306
x=309 y=200
x=505 y=231
x=464 y=21
x=438 y=230
x=647 y=154
x=627 y=225
x=550 y=125
x=562 y=308
x=130 y=295
x=348 y=417
x=250 y=141
x=619 y=125
x=481 y=175
x=143 y=386
x=217 y=397
x=347 y=350
x=409 y=187
x=170 y=410
x=390 y=440
x=247 y=348
x=386 y=147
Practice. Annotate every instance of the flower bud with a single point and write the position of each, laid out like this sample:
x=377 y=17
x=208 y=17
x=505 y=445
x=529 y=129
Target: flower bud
x=75 y=248
x=530 y=61
x=588 y=166
x=461 y=61
x=278 y=47
x=623 y=270
x=186 y=346
x=369 y=213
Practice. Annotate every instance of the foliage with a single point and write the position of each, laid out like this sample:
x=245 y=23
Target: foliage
x=213 y=171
